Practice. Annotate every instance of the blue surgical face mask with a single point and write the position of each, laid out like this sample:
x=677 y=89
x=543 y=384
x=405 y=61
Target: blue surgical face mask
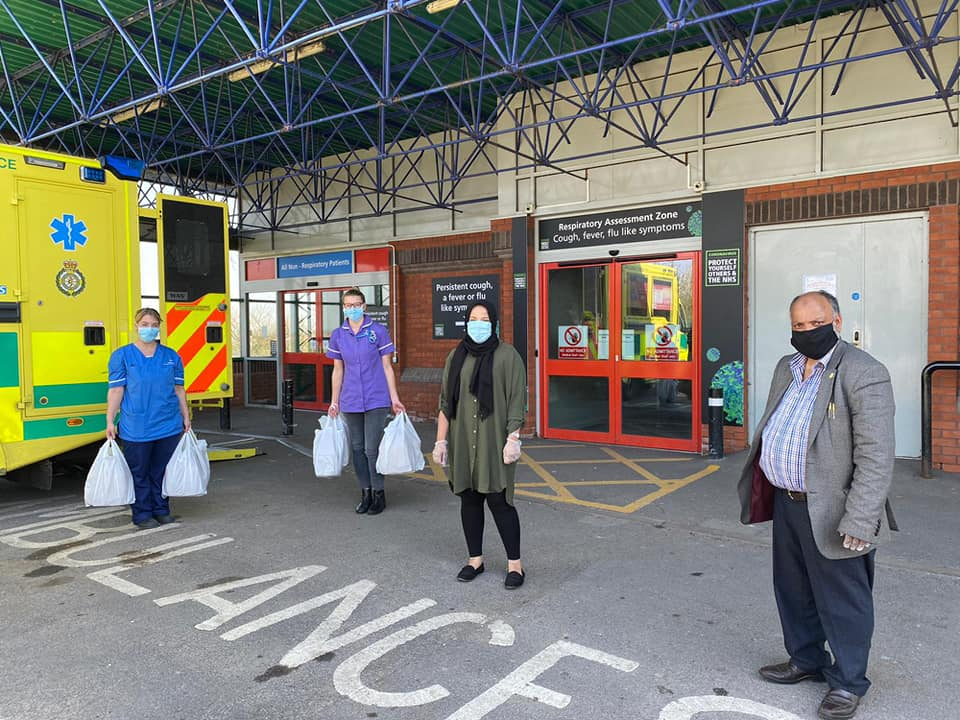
x=353 y=314
x=148 y=334
x=479 y=330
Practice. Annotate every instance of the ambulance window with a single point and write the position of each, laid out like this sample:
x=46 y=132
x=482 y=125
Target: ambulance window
x=193 y=251
x=663 y=299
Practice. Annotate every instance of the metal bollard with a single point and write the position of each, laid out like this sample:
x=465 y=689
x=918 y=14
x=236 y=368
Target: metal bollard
x=286 y=407
x=225 y=414
x=715 y=409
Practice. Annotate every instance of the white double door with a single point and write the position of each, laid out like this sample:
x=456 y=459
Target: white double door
x=878 y=267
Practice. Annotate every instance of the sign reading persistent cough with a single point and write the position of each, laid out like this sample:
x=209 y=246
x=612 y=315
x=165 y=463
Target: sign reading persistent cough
x=452 y=298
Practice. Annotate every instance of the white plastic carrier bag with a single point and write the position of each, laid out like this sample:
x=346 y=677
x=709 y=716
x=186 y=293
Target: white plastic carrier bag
x=188 y=471
x=109 y=481
x=331 y=447
x=400 y=450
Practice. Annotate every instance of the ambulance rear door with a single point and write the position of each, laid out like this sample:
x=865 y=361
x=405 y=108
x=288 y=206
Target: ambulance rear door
x=68 y=264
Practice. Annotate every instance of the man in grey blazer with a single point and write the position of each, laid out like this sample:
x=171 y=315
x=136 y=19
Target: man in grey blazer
x=820 y=467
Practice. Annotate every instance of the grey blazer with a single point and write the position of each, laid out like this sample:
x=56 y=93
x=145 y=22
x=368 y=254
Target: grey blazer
x=849 y=453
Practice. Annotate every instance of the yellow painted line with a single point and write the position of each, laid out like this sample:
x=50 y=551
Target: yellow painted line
x=611 y=460
x=550 y=480
x=577 y=501
x=669 y=487
x=590 y=483
x=560 y=491
x=632 y=464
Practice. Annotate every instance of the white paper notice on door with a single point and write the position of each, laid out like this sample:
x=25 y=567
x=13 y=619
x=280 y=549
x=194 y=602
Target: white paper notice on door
x=813 y=283
x=626 y=344
x=603 y=344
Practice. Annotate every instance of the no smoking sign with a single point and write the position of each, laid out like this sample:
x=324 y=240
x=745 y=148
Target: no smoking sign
x=572 y=343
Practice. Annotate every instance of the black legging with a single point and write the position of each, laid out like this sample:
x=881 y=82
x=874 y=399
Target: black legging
x=504 y=515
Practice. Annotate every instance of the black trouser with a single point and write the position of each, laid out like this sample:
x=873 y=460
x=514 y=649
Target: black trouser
x=504 y=515
x=821 y=599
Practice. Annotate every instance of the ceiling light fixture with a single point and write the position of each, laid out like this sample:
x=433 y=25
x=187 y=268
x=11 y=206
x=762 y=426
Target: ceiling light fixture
x=292 y=56
x=441 y=5
x=141 y=109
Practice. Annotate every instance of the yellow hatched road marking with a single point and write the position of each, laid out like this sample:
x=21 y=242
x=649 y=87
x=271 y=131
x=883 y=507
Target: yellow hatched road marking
x=599 y=461
x=561 y=490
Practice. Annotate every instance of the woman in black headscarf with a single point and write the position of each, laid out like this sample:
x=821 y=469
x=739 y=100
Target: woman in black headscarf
x=482 y=406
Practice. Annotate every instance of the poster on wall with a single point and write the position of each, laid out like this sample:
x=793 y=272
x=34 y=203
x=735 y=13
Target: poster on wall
x=452 y=297
x=827 y=283
x=663 y=222
x=379 y=314
x=722 y=267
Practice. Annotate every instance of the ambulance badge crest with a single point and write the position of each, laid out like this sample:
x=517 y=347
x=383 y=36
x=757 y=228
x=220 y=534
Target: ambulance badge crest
x=70 y=281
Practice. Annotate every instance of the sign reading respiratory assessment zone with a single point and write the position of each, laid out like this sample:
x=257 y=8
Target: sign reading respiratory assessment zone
x=663 y=222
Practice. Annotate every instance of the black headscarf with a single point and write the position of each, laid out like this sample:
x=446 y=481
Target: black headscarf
x=481 y=382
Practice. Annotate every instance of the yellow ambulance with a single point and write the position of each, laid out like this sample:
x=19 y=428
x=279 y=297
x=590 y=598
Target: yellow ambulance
x=69 y=286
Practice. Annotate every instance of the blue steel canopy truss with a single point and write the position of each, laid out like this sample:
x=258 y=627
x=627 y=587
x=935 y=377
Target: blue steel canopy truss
x=352 y=101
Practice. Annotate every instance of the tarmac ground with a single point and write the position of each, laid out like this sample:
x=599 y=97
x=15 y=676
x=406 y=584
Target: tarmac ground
x=270 y=599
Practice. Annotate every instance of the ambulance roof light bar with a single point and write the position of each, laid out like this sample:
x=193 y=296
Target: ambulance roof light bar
x=123 y=168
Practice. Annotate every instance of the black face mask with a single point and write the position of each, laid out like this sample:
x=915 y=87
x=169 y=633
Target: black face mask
x=814 y=343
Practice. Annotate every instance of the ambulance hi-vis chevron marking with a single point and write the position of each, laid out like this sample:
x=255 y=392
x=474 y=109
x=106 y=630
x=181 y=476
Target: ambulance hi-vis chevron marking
x=206 y=364
x=194 y=251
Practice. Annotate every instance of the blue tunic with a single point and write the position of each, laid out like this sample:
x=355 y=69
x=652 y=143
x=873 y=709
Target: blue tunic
x=149 y=409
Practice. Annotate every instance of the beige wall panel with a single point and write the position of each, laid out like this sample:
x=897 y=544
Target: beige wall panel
x=476 y=217
x=744 y=105
x=522 y=194
x=585 y=135
x=423 y=223
x=366 y=230
x=560 y=189
x=413 y=197
x=601 y=184
x=882 y=79
x=683 y=123
x=758 y=162
x=649 y=179
x=906 y=141
x=472 y=188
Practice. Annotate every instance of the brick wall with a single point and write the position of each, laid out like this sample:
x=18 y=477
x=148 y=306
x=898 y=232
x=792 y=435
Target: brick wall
x=734 y=439
x=420 y=261
x=935 y=188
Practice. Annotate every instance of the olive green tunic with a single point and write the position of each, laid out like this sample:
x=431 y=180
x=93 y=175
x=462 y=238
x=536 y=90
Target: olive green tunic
x=475 y=446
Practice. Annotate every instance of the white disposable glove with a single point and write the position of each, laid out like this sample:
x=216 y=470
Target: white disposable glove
x=440 y=452
x=511 y=450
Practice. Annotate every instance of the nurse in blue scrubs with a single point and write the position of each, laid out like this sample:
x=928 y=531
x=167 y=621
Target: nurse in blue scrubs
x=146 y=388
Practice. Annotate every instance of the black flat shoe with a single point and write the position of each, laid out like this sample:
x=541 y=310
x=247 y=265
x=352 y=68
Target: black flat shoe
x=148 y=523
x=469 y=572
x=514 y=580
x=165 y=519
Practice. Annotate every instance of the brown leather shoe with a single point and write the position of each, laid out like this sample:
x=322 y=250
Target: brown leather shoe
x=838 y=704
x=787 y=674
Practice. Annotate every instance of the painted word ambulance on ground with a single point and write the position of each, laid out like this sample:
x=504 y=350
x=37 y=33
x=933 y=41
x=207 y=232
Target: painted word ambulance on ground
x=70 y=285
